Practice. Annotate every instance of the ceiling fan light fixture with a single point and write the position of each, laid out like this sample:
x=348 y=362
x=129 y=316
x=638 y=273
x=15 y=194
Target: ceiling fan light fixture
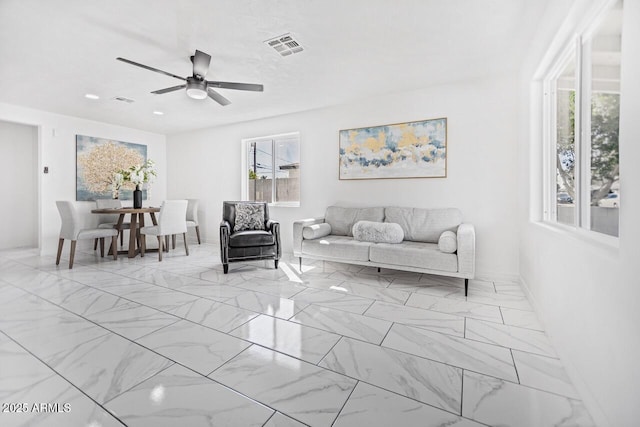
x=196 y=89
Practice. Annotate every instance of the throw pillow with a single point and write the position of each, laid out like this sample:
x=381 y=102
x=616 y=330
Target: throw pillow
x=316 y=231
x=377 y=232
x=249 y=216
x=448 y=242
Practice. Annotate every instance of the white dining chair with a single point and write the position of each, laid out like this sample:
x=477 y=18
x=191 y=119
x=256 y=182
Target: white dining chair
x=171 y=221
x=71 y=230
x=192 y=216
x=192 y=219
x=110 y=220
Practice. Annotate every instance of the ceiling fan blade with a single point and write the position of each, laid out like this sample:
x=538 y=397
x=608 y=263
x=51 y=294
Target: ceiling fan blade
x=201 y=63
x=169 y=89
x=218 y=98
x=236 y=86
x=146 y=67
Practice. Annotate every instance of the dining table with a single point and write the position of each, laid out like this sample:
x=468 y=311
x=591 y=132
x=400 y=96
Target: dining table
x=136 y=221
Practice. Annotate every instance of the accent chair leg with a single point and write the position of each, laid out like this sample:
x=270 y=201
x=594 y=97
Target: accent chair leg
x=225 y=267
x=276 y=263
x=160 y=248
x=60 y=244
x=378 y=269
x=300 y=260
x=173 y=241
x=186 y=248
x=466 y=286
x=198 y=233
x=121 y=238
x=72 y=254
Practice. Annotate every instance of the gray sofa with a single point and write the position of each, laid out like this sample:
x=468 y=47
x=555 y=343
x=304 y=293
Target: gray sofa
x=435 y=241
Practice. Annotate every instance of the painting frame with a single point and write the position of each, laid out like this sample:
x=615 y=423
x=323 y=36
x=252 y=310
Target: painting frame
x=406 y=150
x=97 y=160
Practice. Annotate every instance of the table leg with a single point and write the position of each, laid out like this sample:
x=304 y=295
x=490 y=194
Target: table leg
x=141 y=237
x=133 y=233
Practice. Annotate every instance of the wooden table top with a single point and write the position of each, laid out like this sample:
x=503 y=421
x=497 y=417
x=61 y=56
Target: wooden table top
x=126 y=210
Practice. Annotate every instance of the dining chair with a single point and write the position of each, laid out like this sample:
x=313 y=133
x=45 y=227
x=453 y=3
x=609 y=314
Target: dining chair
x=110 y=220
x=71 y=230
x=192 y=216
x=171 y=221
x=192 y=219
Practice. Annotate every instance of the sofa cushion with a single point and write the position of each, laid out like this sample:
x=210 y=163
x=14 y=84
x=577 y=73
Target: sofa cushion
x=377 y=232
x=342 y=219
x=338 y=247
x=448 y=242
x=316 y=231
x=424 y=225
x=413 y=254
x=248 y=238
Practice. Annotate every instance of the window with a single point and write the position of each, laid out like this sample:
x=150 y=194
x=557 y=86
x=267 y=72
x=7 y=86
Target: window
x=583 y=110
x=274 y=169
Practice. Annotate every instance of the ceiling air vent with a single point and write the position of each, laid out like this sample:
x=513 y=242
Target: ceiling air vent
x=123 y=99
x=285 y=44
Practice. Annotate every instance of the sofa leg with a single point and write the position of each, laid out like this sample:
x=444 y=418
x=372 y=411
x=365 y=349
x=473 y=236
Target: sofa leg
x=225 y=267
x=300 y=260
x=276 y=263
x=378 y=269
x=466 y=286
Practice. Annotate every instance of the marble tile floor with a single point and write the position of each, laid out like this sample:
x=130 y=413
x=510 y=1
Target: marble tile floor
x=137 y=342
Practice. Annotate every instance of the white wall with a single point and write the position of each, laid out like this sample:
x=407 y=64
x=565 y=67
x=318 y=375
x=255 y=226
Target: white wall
x=586 y=293
x=57 y=150
x=481 y=163
x=18 y=156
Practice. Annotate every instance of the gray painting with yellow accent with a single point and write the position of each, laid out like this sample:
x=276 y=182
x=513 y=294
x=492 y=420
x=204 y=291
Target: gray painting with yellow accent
x=404 y=150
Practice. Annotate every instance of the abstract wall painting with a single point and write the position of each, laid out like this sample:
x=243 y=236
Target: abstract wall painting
x=403 y=150
x=98 y=159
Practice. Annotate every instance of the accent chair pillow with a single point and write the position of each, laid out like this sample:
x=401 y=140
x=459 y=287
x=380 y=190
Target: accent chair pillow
x=448 y=242
x=316 y=231
x=377 y=232
x=249 y=216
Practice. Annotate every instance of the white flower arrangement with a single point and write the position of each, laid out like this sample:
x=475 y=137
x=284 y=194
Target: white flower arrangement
x=139 y=174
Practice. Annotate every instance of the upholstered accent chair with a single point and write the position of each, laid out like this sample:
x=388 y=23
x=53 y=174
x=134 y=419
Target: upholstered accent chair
x=71 y=229
x=246 y=237
x=170 y=222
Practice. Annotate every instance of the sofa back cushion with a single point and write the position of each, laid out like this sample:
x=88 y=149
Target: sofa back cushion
x=342 y=219
x=424 y=225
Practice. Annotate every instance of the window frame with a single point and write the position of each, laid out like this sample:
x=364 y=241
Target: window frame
x=245 y=167
x=578 y=44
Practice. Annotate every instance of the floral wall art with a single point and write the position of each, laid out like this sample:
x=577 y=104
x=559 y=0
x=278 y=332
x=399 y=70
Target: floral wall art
x=403 y=150
x=99 y=160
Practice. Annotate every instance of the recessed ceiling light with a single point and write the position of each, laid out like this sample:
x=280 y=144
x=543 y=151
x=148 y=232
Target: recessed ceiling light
x=158 y=113
x=91 y=96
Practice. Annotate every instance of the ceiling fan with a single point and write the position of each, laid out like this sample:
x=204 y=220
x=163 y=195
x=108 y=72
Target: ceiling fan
x=196 y=85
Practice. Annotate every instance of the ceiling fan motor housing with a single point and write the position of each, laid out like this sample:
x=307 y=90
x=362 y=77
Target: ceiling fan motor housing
x=196 y=89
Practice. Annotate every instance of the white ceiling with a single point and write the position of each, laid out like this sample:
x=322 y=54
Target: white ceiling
x=52 y=52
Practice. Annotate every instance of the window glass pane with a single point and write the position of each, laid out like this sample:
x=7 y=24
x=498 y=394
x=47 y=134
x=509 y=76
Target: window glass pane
x=260 y=170
x=287 y=169
x=605 y=119
x=565 y=144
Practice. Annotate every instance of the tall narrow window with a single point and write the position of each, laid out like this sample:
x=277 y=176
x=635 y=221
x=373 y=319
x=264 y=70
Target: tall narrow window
x=584 y=115
x=274 y=169
x=603 y=122
x=565 y=143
